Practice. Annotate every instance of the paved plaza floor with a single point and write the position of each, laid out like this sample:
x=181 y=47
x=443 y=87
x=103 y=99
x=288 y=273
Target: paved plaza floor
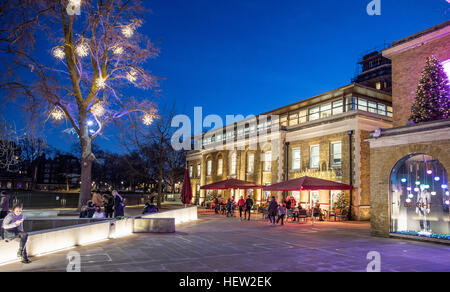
x=219 y=244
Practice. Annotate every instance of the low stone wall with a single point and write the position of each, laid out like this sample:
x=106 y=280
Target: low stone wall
x=48 y=241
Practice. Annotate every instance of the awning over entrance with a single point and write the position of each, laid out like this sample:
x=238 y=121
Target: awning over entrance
x=232 y=184
x=307 y=183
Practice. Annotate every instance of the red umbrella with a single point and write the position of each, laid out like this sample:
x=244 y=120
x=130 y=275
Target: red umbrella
x=234 y=184
x=186 y=191
x=307 y=183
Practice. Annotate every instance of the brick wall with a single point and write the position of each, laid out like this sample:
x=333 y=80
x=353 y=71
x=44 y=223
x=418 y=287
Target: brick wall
x=406 y=71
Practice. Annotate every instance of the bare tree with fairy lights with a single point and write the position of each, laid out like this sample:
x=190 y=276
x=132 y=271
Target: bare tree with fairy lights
x=98 y=55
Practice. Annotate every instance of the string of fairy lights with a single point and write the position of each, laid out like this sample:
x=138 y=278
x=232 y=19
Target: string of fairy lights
x=82 y=50
x=425 y=177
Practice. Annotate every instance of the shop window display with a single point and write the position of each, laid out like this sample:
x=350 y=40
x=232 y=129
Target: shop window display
x=420 y=198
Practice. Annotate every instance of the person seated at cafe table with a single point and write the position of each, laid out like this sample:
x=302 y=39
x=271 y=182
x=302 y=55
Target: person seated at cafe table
x=317 y=212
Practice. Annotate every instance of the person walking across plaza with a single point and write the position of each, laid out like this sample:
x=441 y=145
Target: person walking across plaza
x=248 y=207
x=229 y=208
x=13 y=228
x=273 y=211
x=4 y=204
x=281 y=214
x=241 y=206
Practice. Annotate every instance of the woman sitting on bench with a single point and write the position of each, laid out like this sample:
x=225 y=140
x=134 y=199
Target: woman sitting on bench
x=13 y=228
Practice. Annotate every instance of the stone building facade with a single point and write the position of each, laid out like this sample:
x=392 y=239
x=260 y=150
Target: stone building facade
x=409 y=193
x=313 y=137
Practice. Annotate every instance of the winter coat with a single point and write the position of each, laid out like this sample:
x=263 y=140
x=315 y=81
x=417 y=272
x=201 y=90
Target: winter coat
x=248 y=204
x=273 y=208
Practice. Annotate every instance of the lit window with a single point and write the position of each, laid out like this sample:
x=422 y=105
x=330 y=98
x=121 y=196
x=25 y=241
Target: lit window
x=314 y=113
x=338 y=107
x=233 y=163
x=303 y=117
x=220 y=167
x=296 y=159
x=268 y=161
x=336 y=154
x=373 y=107
x=293 y=119
x=199 y=170
x=314 y=157
x=362 y=104
x=325 y=110
x=284 y=121
x=351 y=104
x=251 y=163
x=191 y=170
x=389 y=111
x=378 y=85
x=209 y=168
x=382 y=109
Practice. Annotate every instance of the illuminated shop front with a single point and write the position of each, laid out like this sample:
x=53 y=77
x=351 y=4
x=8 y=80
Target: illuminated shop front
x=419 y=198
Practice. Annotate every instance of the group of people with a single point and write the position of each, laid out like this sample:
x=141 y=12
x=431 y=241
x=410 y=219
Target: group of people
x=277 y=212
x=244 y=206
x=104 y=206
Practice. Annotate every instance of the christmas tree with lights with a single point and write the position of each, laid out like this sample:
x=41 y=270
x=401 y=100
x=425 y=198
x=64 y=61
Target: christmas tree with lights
x=433 y=94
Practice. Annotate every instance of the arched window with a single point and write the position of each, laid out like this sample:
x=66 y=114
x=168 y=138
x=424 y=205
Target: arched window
x=233 y=163
x=419 y=197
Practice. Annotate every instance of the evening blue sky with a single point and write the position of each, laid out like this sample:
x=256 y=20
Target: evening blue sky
x=252 y=56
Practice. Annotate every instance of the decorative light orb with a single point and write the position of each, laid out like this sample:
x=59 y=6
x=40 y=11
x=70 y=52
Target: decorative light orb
x=132 y=76
x=404 y=180
x=444 y=186
x=58 y=53
x=98 y=110
x=408 y=200
x=57 y=114
x=447 y=202
x=90 y=123
x=82 y=50
x=127 y=31
x=433 y=193
x=118 y=51
x=447 y=193
x=410 y=196
x=429 y=171
x=147 y=119
x=417 y=183
x=437 y=178
x=75 y=2
x=409 y=188
x=101 y=82
x=416 y=189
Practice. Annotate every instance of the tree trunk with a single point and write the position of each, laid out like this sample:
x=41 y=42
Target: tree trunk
x=160 y=188
x=87 y=159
